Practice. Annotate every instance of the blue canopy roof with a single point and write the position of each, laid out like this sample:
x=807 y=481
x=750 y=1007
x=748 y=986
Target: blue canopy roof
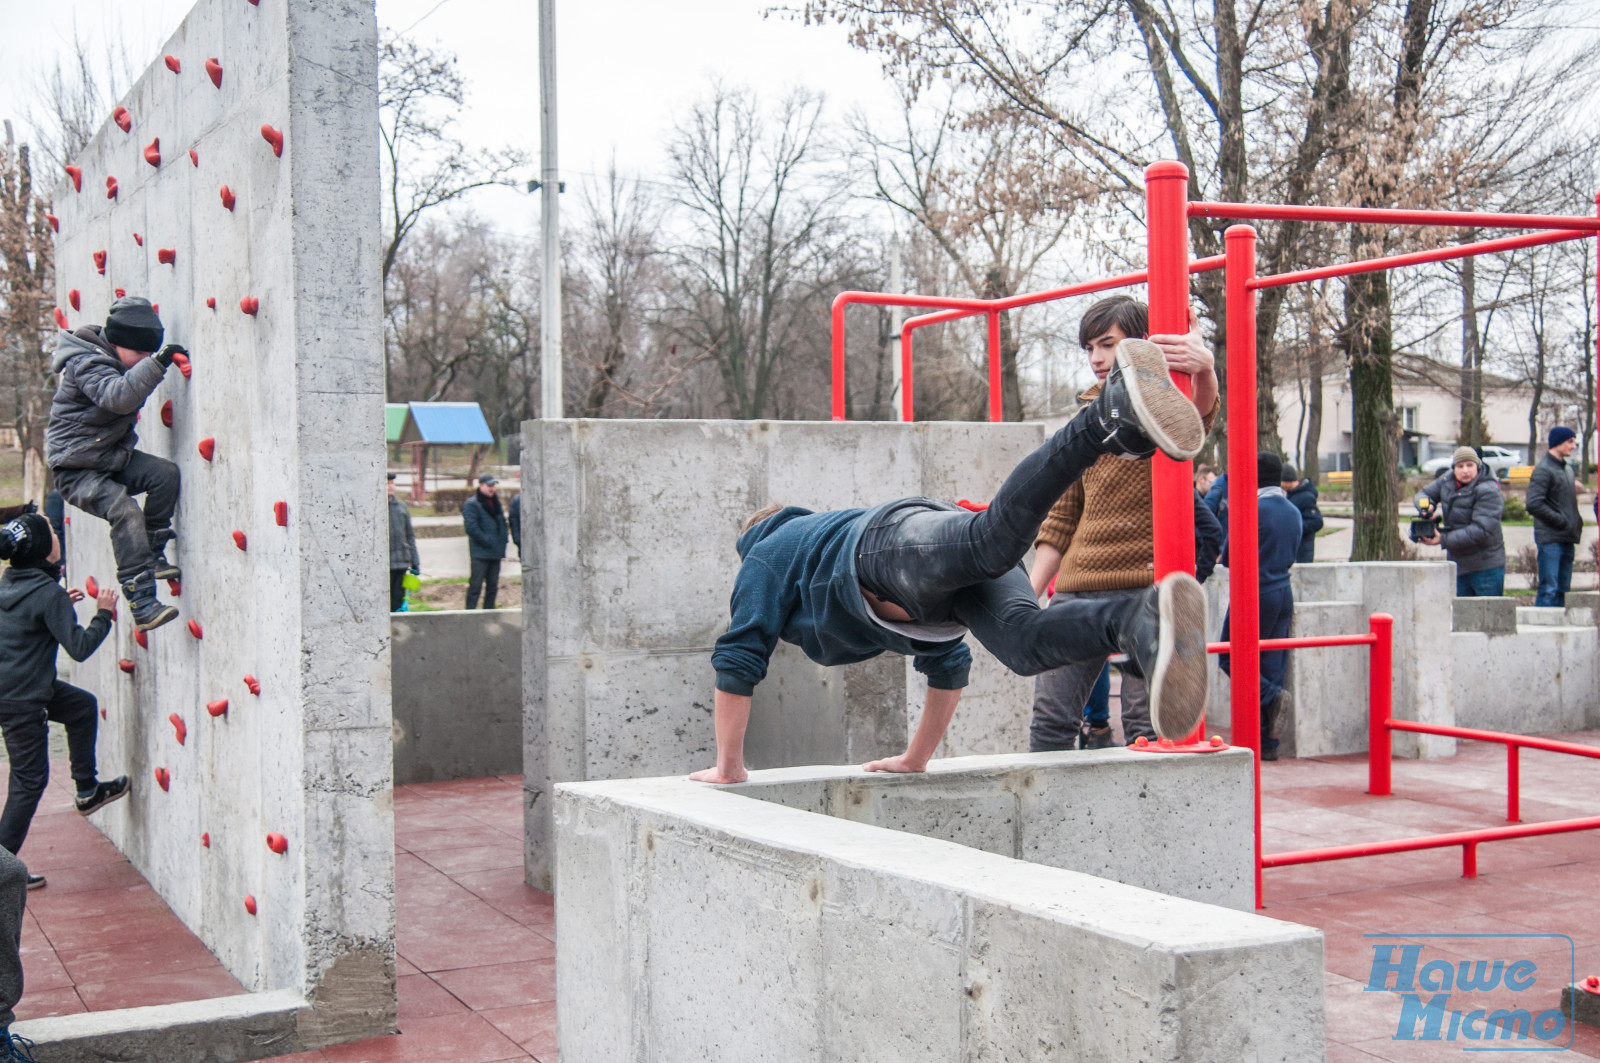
x=445 y=422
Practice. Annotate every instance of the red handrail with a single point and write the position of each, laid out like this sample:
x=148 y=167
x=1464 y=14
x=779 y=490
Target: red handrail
x=1390 y=216
x=1415 y=258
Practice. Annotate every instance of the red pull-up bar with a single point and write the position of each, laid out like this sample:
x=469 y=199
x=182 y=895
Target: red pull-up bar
x=1392 y=216
x=1417 y=258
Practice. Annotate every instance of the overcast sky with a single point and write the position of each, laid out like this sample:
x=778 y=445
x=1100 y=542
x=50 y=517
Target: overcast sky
x=626 y=67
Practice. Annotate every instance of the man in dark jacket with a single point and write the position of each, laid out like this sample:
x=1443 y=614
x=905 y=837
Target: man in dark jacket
x=36 y=617
x=913 y=576
x=1557 y=525
x=1303 y=493
x=516 y=521
x=1467 y=501
x=1278 y=534
x=403 y=556
x=106 y=376
x=487 y=536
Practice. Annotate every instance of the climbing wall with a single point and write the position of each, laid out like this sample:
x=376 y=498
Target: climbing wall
x=236 y=186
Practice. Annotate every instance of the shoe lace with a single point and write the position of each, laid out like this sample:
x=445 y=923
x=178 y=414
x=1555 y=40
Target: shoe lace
x=18 y=1049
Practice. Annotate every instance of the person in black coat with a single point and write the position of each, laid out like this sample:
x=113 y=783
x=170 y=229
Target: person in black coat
x=1303 y=493
x=1557 y=526
x=487 y=534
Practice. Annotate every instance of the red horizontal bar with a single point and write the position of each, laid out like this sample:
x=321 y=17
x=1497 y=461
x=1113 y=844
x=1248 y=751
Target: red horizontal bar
x=977 y=306
x=1372 y=215
x=1414 y=258
x=1302 y=643
x=1430 y=841
x=1549 y=745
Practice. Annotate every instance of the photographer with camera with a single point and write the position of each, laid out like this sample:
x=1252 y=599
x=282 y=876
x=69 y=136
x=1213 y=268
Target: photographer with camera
x=1461 y=511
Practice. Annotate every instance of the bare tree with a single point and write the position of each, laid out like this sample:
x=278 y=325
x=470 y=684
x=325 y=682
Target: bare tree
x=27 y=284
x=71 y=101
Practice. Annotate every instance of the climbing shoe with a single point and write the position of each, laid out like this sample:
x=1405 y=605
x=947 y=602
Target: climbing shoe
x=1165 y=640
x=148 y=612
x=1140 y=410
x=104 y=794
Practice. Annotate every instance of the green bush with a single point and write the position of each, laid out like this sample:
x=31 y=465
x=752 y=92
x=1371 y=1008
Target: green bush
x=1515 y=510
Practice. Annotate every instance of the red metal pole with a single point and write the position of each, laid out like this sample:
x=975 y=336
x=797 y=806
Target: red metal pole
x=1417 y=258
x=1380 y=705
x=1513 y=784
x=995 y=408
x=1167 y=262
x=906 y=389
x=1469 y=860
x=1392 y=216
x=839 y=305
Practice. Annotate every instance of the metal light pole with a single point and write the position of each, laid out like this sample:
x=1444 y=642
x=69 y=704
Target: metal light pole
x=896 y=314
x=550 y=405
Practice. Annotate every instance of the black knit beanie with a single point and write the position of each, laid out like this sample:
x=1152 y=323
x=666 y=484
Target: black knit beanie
x=1269 y=469
x=133 y=323
x=26 y=540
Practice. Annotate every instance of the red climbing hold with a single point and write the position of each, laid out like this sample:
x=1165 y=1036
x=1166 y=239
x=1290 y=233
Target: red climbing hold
x=238 y=538
x=214 y=72
x=55 y=222
x=126 y=665
x=152 y=152
x=211 y=304
x=227 y=197
x=253 y=685
x=111 y=188
x=163 y=778
x=167 y=256
x=249 y=898
x=273 y=137
x=196 y=630
x=91 y=589
x=120 y=116
x=61 y=320
x=205 y=839
x=156 y=307
x=218 y=707
x=166 y=413
x=194 y=156
x=139 y=637
x=100 y=264
x=280 y=513
x=76 y=173
x=174 y=588
x=72 y=297
x=138 y=239
x=182 y=362
x=277 y=843
x=173 y=64
x=120 y=292
x=208 y=447
x=177 y=726
x=250 y=304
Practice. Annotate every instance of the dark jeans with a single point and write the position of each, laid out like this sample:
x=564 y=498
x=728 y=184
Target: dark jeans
x=13 y=902
x=941 y=563
x=1277 y=611
x=397 y=588
x=485 y=577
x=1555 y=573
x=27 y=734
x=1062 y=696
x=1487 y=583
x=1097 y=710
x=135 y=532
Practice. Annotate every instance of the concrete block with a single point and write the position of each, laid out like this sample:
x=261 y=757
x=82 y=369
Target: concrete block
x=457 y=694
x=245 y=1027
x=1491 y=616
x=628 y=562
x=695 y=923
x=1541 y=616
x=1538 y=680
x=293 y=398
x=1581 y=1004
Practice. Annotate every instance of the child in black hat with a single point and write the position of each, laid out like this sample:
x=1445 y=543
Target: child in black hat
x=106 y=376
x=36 y=618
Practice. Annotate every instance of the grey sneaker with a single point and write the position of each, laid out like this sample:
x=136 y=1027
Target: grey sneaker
x=1140 y=410
x=1165 y=641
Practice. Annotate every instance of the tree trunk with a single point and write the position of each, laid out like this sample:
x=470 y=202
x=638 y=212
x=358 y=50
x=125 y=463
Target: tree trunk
x=1311 y=461
x=1471 y=433
x=1375 y=481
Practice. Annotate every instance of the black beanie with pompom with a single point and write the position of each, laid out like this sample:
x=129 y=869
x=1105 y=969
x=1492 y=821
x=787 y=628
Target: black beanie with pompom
x=26 y=540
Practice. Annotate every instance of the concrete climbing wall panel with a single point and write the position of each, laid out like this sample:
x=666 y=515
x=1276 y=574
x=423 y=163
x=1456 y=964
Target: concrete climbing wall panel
x=278 y=298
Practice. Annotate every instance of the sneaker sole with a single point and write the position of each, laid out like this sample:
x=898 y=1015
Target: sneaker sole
x=103 y=804
x=39 y=885
x=1179 y=680
x=1166 y=416
x=167 y=615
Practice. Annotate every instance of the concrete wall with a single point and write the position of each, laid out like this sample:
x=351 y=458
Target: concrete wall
x=695 y=923
x=457 y=694
x=294 y=400
x=1536 y=679
x=628 y=561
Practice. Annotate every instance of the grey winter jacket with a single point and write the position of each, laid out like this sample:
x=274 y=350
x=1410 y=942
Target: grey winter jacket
x=402 y=538
x=1553 y=503
x=36 y=616
x=1470 y=520
x=96 y=404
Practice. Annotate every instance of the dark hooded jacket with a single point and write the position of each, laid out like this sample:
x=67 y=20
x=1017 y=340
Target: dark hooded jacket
x=798 y=583
x=1304 y=497
x=36 y=616
x=1553 y=503
x=1470 y=515
x=96 y=403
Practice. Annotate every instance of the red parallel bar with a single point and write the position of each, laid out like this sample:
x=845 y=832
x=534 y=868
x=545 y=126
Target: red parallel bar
x=995 y=405
x=1414 y=258
x=1301 y=642
x=1391 y=216
x=845 y=299
x=1513 y=783
x=1549 y=745
x=1380 y=705
x=1430 y=841
x=907 y=390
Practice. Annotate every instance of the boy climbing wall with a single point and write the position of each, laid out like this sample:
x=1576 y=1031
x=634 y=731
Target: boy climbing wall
x=106 y=376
